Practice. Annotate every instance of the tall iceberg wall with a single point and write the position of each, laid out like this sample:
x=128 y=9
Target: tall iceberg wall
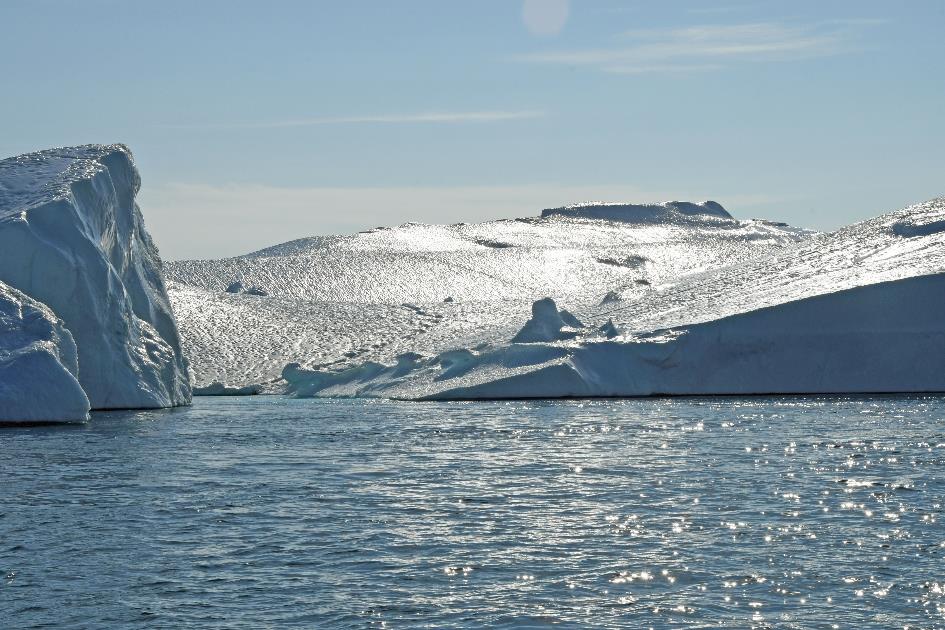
x=73 y=238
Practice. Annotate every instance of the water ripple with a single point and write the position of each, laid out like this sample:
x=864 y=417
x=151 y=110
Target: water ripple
x=784 y=512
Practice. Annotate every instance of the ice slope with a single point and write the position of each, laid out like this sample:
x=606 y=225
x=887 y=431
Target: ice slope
x=902 y=244
x=246 y=339
x=506 y=259
x=858 y=310
x=38 y=364
x=72 y=237
x=343 y=300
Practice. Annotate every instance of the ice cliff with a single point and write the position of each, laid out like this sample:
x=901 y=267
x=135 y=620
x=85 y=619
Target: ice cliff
x=72 y=237
x=38 y=364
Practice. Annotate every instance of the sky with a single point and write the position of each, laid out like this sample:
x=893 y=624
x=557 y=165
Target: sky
x=254 y=123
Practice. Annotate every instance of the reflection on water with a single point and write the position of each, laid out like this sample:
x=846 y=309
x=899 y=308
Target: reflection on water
x=787 y=512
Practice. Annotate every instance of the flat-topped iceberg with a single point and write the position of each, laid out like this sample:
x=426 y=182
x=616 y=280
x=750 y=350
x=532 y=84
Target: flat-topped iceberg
x=72 y=237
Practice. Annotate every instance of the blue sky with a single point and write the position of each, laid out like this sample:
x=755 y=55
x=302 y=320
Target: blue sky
x=254 y=123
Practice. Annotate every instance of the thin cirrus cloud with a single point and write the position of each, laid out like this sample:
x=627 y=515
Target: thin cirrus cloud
x=489 y=116
x=711 y=47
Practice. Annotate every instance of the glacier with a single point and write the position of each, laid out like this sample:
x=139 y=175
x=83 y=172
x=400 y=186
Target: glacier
x=72 y=238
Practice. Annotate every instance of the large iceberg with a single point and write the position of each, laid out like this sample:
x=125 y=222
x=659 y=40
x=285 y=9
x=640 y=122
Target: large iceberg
x=625 y=300
x=340 y=301
x=72 y=237
x=38 y=364
x=860 y=310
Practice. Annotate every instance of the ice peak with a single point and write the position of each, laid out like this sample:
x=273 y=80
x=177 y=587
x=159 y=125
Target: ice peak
x=644 y=213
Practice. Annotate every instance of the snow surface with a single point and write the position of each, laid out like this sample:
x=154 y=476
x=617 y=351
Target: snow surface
x=38 y=364
x=666 y=299
x=858 y=310
x=339 y=301
x=72 y=237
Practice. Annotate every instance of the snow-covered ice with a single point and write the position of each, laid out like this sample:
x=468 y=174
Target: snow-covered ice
x=38 y=364
x=339 y=301
x=548 y=324
x=624 y=299
x=858 y=340
x=73 y=238
x=858 y=310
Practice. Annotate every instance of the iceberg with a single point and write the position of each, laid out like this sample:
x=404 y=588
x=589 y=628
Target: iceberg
x=73 y=238
x=860 y=310
x=625 y=300
x=858 y=340
x=38 y=364
x=342 y=301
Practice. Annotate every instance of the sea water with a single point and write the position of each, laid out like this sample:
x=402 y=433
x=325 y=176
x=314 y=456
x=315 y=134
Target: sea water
x=269 y=512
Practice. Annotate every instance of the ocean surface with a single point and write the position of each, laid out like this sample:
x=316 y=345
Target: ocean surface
x=269 y=512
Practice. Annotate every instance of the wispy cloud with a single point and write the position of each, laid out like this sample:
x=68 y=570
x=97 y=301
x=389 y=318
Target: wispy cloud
x=717 y=9
x=374 y=119
x=710 y=47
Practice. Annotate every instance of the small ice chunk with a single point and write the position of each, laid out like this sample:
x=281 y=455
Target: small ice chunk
x=547 y=324
x=608 y=329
